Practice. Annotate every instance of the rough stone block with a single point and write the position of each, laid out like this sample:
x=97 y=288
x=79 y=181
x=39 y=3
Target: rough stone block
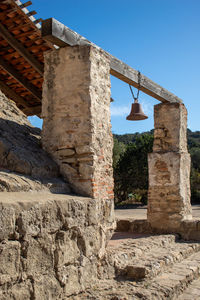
x=169 y=169
x=21 y=291
x=57 y=243
x=7 y=222
x=46 y=288
x=67 y=250
x=65 y=152
x=10 y=264
x=170 y=122
x=84 y=149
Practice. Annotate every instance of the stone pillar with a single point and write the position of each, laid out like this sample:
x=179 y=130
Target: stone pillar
x=76 y=113
x=169 y=169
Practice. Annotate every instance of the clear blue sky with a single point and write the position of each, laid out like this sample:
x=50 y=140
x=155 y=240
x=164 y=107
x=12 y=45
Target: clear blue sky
x=161 y=38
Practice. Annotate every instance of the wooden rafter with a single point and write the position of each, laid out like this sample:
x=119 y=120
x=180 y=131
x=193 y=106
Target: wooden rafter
x=33 y=110
x=60 y=35
x=21 y=54
x=31 y=13
x=25 y=4
x=22 y=80
x=12 y=95
x=27 y=110
x=38 y=21
x=21 y=49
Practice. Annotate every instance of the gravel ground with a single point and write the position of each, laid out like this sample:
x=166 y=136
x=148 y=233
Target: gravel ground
x=141 y=213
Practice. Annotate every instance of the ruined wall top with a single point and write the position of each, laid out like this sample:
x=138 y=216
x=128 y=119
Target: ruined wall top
x=170 y=121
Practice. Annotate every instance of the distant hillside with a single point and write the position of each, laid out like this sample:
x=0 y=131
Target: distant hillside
x=193 y=137
x=130 y=137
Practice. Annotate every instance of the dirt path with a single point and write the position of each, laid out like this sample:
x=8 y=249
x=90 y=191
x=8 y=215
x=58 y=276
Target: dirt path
x=141 y=213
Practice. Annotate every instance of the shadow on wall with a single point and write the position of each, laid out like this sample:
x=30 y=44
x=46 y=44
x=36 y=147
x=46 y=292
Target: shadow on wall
x=21 y=151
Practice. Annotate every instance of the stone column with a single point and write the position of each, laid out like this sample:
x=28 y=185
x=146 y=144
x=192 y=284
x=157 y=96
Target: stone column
x=76 y=113
x=169 y=169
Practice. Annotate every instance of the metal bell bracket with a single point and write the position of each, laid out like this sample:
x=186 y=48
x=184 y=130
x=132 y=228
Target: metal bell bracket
x=138 y=91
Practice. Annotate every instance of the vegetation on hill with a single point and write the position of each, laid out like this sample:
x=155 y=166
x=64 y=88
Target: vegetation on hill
x=131 y=166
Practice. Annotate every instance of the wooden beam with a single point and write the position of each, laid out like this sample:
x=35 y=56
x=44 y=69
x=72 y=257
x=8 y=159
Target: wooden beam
x=10 y=93
x=5 y=48
x=25 y=4
x=60 y=35
x=33 y=111
x=127 y=74
x=22 y=80
x=31 y=13
x=23 y=11
x=21 y=49
x=38 y=21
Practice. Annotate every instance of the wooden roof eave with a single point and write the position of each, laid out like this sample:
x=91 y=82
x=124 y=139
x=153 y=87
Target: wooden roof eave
x=8 y=65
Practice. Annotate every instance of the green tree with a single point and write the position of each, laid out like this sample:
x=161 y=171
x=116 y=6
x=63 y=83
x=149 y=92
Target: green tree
x=131 y=171
x=118 y=149
x=195 y=157
x=195 y=186
x=131 y=168
x=195 y=174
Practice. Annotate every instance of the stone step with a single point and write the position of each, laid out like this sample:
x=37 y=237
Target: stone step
x=192 y=292
x=172 y=284
x=138 y=257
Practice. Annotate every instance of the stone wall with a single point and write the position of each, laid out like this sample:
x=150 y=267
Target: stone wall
x=76 y=113
x=50 y=245
x=188 y=230
x=169 y=168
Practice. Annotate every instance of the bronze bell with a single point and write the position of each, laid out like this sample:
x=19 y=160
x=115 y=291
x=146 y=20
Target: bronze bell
x=136 y=113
